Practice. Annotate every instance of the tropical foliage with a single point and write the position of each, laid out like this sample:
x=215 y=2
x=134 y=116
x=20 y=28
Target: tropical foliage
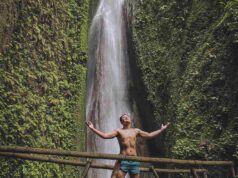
x=42 y=74
x=187 y=54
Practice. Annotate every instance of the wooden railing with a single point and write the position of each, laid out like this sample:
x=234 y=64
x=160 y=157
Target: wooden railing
x=26 y=153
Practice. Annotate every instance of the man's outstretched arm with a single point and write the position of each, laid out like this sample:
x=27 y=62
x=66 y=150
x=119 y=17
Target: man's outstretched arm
x=154 y=133
x=107 y=135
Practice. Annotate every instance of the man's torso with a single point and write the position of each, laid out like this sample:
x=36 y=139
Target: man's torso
x=127 y=141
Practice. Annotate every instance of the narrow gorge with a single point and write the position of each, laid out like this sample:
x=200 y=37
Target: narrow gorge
x=67 y=61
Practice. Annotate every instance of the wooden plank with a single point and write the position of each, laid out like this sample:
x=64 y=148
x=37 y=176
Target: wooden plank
x=86 y=169
x=83 y=164
x=107 y=156
x=154 y=172
x=233 y=174
x=193 y=172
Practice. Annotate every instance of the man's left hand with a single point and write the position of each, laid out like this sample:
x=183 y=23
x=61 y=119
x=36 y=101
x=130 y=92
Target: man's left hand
x=165 y=126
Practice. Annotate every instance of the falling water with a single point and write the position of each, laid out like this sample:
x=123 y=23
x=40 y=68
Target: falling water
x=108 y=74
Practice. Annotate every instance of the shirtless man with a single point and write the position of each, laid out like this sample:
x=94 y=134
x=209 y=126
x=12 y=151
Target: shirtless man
x=127 y=140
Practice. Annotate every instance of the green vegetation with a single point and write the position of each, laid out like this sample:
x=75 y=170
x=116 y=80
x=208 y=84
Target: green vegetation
x=187 y=54
x=42 y=73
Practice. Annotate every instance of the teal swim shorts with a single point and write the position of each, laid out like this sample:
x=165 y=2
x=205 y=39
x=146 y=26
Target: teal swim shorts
x=131 y=167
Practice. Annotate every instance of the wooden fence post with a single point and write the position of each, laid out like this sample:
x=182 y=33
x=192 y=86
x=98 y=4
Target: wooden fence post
x=85 y=171
x=205 y=174
x=154 y=172
x=233 y=174
x=193 y=172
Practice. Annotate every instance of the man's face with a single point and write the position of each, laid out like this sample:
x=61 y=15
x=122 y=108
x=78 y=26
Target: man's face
x=125 y=120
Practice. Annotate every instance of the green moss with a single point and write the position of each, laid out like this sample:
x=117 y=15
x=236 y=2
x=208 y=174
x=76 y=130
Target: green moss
x=84 y=28
x=186 y=51
x=42 y=85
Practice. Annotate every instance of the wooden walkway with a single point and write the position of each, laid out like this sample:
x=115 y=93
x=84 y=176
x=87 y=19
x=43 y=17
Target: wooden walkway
x=26 y=153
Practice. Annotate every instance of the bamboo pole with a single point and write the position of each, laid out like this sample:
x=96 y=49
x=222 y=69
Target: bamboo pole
x=233 y=174
x=193 y=172
x=85 y=171
x=205 y=174
x=108 y=156
x=79 y=163
x=154 y=172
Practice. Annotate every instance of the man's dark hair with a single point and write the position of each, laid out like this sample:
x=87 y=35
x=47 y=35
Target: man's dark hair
x=123 y=115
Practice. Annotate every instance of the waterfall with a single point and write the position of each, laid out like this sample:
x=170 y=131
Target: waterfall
x=108 y=77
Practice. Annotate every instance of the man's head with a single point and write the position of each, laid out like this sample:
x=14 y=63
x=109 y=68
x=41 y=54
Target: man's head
x=125 y=119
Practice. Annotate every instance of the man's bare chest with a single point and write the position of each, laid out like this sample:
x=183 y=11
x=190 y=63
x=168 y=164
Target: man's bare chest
x=127 y=134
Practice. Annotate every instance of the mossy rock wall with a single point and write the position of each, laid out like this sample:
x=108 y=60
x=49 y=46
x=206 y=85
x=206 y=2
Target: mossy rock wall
x=186 y=52
x=42 y=73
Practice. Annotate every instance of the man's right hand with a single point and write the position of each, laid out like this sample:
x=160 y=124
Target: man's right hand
x=90 y=124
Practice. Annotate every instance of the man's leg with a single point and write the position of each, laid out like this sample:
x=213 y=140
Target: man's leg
x=115 y=170
x=134 y=176
x=121 y=174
